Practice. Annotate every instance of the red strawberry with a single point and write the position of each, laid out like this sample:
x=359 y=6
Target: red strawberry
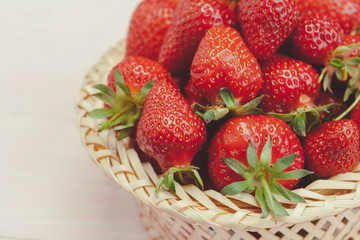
x=148 y=26
x=128 y=85
x=265 y=25
x=194 y=95
x=346 y=12
x=332 y=148
x=137 y=71
x=192 y=19
x=245 y=139
x=315 y=37
x=168 y=130
x=289 y=84
x=224 y=61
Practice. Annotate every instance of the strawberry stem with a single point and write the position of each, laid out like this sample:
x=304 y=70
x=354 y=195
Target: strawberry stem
x=347 y=111
x=113 y=118
x=268 y=194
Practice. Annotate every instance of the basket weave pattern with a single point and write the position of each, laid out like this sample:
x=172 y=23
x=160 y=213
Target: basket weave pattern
x=331 y=210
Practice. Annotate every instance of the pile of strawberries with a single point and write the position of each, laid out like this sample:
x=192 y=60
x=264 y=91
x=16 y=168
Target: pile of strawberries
x=250 y=92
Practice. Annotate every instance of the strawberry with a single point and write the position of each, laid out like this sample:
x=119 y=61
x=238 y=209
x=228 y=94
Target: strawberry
x=137 y=71
x=290 y=88
x=224 y=61
x=315 y=37
x=194 y=95
x=346 y=12
x=255 y=146
x=332 y=148
x=124 y=96
x=169 y=131
x=265 y=25
x=192 y=19
x=148 y=26
x=289 y=84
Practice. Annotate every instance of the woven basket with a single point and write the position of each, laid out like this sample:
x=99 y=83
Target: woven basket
x=331 y=211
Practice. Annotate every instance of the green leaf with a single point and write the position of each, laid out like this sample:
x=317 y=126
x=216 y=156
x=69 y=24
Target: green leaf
x=339 y=74
x=198 y=107
x=348 y=93
x=119 y=120
x=252 y=157
x=124 y=133
x=278 y=189
x=284 y=162
x=268 y=196
x=171 y=183
x=299 y=124
x=313 y=118
x=102 y=113
x=105 y=98
x=122 y=127
x=158 y=185
x=281 y=191
x=220 y=112
x=235 y=188
x=352 y=70
x=286 y=117
x=296 y=174
x=215 y=114
x=237 y=166
x=322 y=74
x=254 y=103
x=260 y=197
x=209 y=116
x=198 y=178
x=227 y=97
x=352 y=61
x=265 y=157
x=277 y=208
x=340 y=50
x=124 y=88
x=249 y=107
x=119 y=77
x=105 y=89
x=141 y=95
x=337 y=63
x=326 y=82
x=295 y=197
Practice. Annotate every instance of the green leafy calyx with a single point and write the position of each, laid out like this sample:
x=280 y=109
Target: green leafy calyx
x=345 y=68
x=303 y=120
x=227 y=106
x=168 y=179
x=261 y=177
x=124 y=109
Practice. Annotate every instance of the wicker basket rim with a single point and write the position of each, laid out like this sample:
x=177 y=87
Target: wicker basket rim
x=121 y=163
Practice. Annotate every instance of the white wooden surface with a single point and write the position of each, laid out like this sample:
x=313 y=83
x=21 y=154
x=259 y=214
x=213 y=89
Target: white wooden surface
x=49 y=188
